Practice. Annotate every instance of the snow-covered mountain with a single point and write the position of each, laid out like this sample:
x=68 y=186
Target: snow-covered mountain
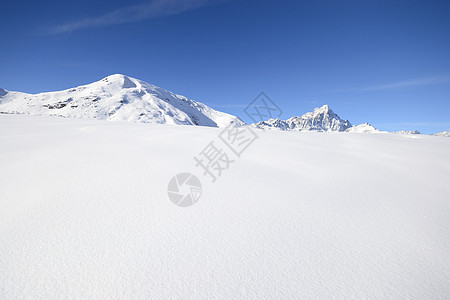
x=363 y=128
x=321 y=119
x=443 y=133
x=117 y=97
x=408 y=132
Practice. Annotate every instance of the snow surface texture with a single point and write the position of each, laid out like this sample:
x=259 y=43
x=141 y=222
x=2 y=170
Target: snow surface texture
x=84 y=213
x=120 y=98
x=321 y=119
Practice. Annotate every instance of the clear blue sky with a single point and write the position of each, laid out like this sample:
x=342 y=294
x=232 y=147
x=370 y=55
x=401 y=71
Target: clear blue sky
x=384 y=62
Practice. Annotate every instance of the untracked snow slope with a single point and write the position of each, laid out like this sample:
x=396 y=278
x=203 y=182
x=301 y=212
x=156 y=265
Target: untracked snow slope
x=84 y=213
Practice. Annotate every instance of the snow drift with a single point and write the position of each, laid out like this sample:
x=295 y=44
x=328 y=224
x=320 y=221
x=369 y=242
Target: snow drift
x=84 y=213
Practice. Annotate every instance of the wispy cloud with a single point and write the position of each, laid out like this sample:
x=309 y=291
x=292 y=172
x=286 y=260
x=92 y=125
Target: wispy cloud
x=131 y=14
x=408 y=83
x=444 y=124
x=226 y=105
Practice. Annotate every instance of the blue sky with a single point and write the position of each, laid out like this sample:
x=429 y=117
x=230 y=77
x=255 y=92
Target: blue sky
x=384 y=62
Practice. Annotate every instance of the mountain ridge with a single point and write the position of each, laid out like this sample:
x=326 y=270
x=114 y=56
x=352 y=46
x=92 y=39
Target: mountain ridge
x=320 y=119
x=121 y=97
x=118 y=97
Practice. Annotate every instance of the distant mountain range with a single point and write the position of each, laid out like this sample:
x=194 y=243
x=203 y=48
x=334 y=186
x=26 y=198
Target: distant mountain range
x=442 y=133
x=120 y=97
x=321 y=119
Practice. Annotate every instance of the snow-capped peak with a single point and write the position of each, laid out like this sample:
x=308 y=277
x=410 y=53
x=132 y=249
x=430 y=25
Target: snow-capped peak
x=443 y=133
x=124 y=81
x=320 y=119
x=363 y=128
x=118 y=97
x=325 y=108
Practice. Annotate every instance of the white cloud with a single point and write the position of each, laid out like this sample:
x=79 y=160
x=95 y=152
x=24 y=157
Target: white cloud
x=408 y=83
x=445 y=124
x=416 y=82
x=136 y=13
